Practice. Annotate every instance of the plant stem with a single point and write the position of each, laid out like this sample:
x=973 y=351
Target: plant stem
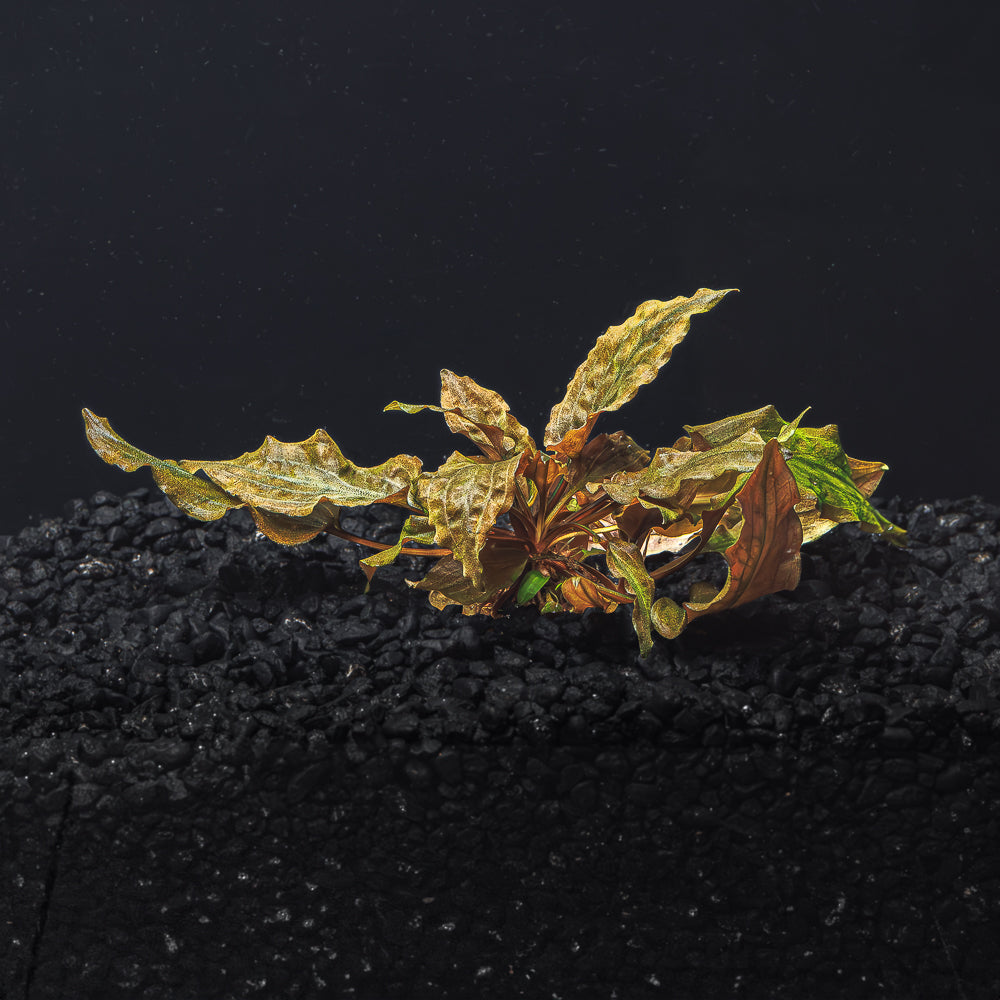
x=382 y=545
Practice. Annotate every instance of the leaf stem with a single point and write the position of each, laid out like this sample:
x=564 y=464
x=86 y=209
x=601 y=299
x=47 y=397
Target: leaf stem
x=382 y=545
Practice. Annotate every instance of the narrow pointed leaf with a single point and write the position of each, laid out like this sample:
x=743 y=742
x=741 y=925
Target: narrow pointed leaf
x=766 y=556
x=463 y=501
x=625 y=561
x=625 y=358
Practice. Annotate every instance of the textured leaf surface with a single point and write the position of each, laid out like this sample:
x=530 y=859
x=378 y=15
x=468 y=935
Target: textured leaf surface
x=482 y=415
x=463 y=500
x=293 y=490
x=683 y=477
x=475 y=406
x=838 y=485
x=765 y=558
x=625 y=561
x=292 y=477
x=626 y=358
x=190 y=493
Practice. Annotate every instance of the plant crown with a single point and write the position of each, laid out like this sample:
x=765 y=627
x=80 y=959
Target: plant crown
x=518 y=524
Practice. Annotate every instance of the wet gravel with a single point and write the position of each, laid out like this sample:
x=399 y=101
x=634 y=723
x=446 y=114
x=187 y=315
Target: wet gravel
x=226 y=771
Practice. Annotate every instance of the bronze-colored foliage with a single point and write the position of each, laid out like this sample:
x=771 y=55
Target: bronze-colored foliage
x=517 y=525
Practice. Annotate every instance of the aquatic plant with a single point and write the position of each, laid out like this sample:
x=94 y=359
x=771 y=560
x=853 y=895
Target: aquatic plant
x=570 y=525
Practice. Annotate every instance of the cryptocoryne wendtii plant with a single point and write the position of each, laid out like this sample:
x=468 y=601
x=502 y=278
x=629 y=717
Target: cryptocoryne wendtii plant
x=519 y=524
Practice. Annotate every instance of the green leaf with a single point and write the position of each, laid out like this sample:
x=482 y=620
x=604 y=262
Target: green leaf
x=533 y=582
x=463 y=500
x=823 y=471
x=625 y=561
x=625 y=358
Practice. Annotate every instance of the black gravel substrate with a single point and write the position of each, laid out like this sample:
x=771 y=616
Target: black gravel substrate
x=226 y=772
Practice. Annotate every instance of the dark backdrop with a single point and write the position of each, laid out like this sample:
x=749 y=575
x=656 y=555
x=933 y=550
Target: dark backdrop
x=222 y=220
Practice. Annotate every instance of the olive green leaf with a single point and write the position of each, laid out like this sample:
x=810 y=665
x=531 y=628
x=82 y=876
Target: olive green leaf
x=625 y=561
x=482 y=415
x=825 y=473
x=625 y=358
x=417 y=528
x=685 y=477
x=472 y=406
x=292 y=489
x=292 y=477
x=766 y=556
x=190 y=493
x=463 y=500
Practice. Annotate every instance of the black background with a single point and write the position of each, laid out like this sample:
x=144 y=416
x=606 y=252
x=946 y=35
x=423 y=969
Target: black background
x=224 y=220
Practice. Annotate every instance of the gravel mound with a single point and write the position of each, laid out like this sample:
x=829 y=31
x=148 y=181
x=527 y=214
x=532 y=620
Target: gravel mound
x=227 y=772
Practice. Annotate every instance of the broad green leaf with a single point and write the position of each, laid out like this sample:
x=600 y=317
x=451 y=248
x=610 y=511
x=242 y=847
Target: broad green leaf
x=625 y=358
x=463 y=500
x=625 y=561
x=482 y=415
x=823 y=471
x=416 y=529
x=766 y=421
x=766 y=556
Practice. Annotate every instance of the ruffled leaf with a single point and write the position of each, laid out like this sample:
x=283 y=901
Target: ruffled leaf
x=190 y=493
x=625 y=561
x=766 y=556
x=838 y=486
x=482 y=415
x=293 y=490
x=625 y=358
x=463 y=500
x=685 y=478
